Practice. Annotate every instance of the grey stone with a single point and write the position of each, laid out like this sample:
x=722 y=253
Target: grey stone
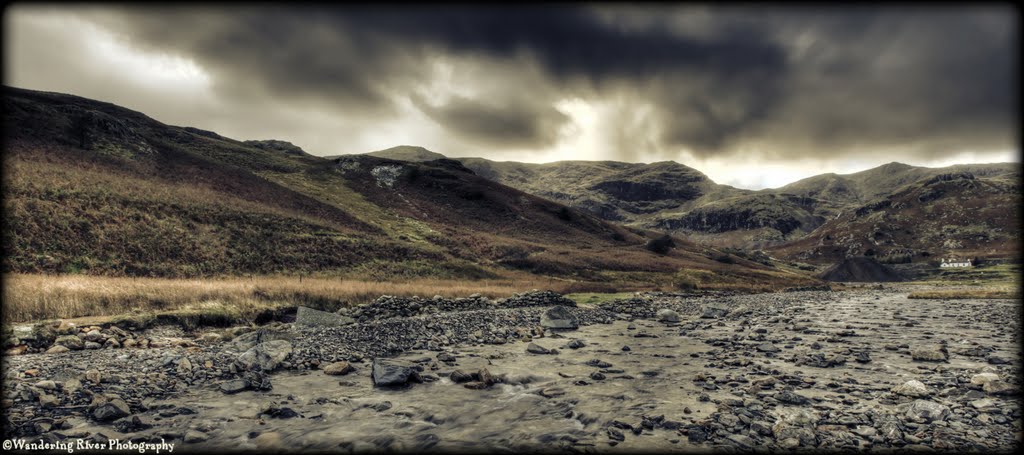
x=667 y=315
x=768 y=347
x=338 y=369
x=714 y=312
x=911 y=388
x=387 y=374
x=924 y=411
x=534 y=348
x=999 y=387
x=71 y=342
x=266 y=356
x=981 y=379
x=195 y=436
x=560 y=318
x=111 y=410
x=930 y=354
x=234 y=386
x=316 y=318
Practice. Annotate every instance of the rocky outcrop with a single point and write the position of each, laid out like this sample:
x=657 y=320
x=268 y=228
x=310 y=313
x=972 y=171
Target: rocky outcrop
x=277 y=146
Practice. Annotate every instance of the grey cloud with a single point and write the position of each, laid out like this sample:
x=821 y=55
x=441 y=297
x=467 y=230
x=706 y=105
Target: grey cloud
x=512 y=124
x=798 y=81
x=362 y=59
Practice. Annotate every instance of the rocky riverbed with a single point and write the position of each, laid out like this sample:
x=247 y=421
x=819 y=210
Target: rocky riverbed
x=864 y=369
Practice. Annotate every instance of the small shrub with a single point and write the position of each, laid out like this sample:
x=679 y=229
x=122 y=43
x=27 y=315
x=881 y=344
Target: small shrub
x=660 y=245
x=685 y=284
x=564 y=214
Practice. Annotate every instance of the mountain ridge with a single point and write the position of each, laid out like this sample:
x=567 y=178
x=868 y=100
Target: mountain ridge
x=97 y=189
x=673 y=197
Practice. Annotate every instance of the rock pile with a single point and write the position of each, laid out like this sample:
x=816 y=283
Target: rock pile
x=392 y=307
x=58 y=337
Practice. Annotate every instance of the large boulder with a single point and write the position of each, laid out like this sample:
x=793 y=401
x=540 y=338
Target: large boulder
x=71 y=342
x=390 y=374
x=111 y=410
x=668 y=316
x=316 y=318
x=930 y=354
x=560 y=318
x=266 y=356
x=911 y=388
x=981 y=379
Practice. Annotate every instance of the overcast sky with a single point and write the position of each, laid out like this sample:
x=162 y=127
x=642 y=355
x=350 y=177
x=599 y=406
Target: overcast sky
x=753 y=96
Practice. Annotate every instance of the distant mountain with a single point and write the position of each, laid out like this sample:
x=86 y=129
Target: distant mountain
x=408 y=153
x=673 y=197
x=874 y=183
x=98 y=189
x=948 y=214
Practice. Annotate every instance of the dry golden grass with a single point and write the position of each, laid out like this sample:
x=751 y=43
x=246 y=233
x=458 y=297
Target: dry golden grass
x=966 y=294
x=39 y=297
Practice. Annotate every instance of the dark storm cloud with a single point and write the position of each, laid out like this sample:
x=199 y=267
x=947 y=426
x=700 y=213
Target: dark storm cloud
x=797 y=81
x=359 y=58
x=517 y=125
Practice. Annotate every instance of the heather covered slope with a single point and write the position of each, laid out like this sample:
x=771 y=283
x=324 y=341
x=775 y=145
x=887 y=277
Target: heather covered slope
x=98 y=189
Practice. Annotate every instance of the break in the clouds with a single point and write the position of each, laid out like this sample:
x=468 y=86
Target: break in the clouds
x=724 y=89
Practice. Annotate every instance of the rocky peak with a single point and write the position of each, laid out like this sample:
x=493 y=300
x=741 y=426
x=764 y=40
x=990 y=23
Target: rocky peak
x=277 y=146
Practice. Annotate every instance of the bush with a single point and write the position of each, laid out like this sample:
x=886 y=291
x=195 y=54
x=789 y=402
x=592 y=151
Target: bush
x=660 y=245
x=685 y=284
x=896 y=259
x=564 y=214
x=725 y=259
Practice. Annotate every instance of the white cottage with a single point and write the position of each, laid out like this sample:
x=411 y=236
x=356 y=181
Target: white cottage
x=956 y=263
